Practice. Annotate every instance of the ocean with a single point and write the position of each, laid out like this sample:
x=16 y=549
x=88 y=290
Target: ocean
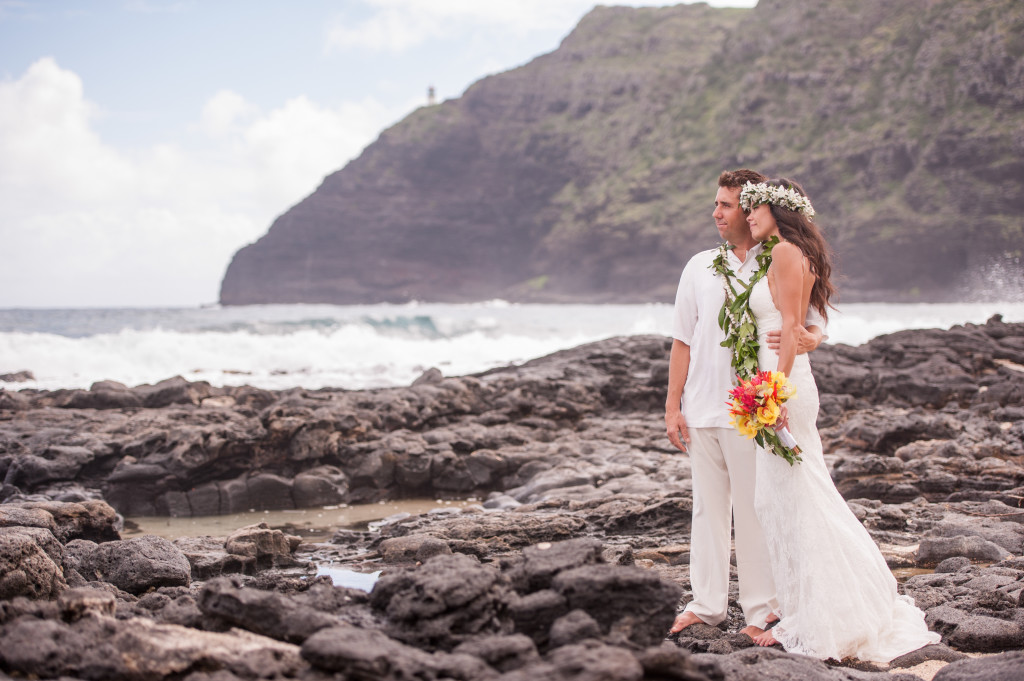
x=360 y=346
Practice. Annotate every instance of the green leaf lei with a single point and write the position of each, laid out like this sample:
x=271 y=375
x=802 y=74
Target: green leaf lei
x=735 y=318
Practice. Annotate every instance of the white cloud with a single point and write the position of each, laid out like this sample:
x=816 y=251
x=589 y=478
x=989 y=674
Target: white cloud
x=83 y=223
x=385 y=31
x=225 y=111
x=296 y=145
x=44 y=116
x=400 y=25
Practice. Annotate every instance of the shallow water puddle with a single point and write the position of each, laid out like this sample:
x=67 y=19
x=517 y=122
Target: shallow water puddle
x=902 y=574
x=312 y=524
x=353 y=580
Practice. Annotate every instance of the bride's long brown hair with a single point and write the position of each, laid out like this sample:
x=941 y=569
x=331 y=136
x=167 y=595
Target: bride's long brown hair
x=797 y=228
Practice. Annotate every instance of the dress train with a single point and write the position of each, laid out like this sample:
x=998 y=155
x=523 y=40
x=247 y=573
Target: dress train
x=837 y=597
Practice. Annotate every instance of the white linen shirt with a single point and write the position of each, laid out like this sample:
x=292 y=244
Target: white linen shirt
x=699 y=299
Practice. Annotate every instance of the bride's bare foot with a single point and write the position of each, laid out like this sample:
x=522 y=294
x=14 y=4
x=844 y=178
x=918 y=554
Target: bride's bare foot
x=752 y=631
x=765 y=639
x=683 y=620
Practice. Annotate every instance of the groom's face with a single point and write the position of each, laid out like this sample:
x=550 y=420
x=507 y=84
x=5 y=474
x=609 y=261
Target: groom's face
x=729 y=217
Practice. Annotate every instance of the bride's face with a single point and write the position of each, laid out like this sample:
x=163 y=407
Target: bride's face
x=762 y=224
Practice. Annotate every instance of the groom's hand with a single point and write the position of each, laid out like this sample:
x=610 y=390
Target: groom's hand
x=676 y=429
x=808 y=341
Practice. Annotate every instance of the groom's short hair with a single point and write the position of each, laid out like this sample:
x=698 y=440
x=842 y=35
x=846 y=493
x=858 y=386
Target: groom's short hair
x=738 y=178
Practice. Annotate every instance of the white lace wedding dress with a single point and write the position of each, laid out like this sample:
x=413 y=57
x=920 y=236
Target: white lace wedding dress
x=837 y=597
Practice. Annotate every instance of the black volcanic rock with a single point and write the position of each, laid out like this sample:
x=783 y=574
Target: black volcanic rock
x=588 y=174
x=136 y=564
x=1004 y=666
x=578 y=576
x=917 y=413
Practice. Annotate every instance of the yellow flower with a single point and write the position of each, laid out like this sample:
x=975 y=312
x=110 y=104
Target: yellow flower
x=769 y=413
x=745 y=426
x=786 y=390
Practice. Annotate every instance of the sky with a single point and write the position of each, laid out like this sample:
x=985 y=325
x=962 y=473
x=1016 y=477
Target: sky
x=143 y=142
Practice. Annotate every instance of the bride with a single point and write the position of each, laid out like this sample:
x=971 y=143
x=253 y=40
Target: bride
x=837 y=597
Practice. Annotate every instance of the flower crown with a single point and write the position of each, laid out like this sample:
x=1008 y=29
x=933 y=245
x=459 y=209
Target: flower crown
x=753 y=195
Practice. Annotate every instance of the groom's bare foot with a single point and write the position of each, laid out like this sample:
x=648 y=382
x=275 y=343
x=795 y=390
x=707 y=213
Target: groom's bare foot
x=684 y=620
x=765 y=639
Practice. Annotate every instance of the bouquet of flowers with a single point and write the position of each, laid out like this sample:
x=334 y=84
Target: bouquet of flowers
x=755 y=408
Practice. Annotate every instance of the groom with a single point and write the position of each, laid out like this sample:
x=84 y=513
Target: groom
x=697 y=422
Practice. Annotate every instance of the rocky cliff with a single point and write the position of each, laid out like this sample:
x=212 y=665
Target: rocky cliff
x=588 y=174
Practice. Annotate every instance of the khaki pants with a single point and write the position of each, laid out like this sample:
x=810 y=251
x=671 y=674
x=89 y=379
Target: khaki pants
x=722 y=463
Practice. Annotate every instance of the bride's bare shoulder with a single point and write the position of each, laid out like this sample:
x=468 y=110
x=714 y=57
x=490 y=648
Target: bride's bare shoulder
x=785 y=249
x=785 y=253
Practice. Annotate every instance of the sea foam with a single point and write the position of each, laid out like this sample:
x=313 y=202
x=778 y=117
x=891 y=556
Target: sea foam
x=357 y=347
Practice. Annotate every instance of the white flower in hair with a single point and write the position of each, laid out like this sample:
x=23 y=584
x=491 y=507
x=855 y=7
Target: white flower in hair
x=753 y=195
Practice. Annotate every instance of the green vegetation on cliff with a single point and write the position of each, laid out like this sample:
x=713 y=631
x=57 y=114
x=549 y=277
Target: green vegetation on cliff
x=589 y=173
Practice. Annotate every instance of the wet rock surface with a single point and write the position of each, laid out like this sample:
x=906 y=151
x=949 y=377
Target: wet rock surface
x=572 y=563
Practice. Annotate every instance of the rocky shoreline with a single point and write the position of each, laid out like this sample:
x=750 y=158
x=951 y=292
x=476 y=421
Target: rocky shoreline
x=572 y=566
